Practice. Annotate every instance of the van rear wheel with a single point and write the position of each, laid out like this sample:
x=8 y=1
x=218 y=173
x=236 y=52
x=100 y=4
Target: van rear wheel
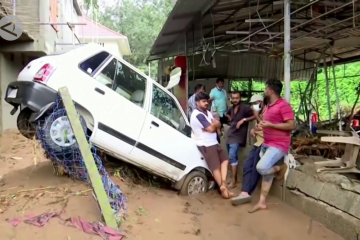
x=26 y=128
x=195 y=182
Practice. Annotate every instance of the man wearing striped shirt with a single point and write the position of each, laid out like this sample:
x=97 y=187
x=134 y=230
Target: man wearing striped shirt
x=278 y=122
x=191 y=101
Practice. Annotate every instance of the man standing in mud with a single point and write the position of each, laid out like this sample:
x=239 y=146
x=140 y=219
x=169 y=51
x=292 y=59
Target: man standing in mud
x=240 y=115
x=277 y=125
x=204 y=128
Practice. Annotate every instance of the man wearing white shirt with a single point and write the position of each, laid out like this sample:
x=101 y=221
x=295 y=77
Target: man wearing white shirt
x=204 y=128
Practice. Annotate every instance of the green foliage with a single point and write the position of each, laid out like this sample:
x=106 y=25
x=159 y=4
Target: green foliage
x=141 y=21
x=347 y=81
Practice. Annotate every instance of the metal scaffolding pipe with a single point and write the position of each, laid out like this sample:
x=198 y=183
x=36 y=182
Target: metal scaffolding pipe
x=327 y=87
x=307 y=22
x=186 y=75
x=287 y=49
x=327 y=26
x=272 y=24
x=336 y=90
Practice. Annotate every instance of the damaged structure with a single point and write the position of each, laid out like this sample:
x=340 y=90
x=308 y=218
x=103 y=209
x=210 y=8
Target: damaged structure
x=255 y=40
x=50 y=27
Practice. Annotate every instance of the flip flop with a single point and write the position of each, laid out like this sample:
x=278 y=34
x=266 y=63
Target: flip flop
x=240 y=199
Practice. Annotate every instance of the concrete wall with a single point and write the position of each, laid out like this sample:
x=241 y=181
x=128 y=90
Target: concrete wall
x=111 y=45
x=66 y=13
x=27 y=11
x=10 y=66
x=208 y=83
x=331 y=199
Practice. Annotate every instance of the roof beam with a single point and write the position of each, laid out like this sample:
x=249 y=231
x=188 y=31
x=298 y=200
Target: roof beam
x=186 y=15
x=237 y=9
x=261 y=9
x=195 y=19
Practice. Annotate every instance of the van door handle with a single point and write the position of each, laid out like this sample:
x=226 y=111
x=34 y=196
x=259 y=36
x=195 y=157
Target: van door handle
x=100 y=91
x=155 y=124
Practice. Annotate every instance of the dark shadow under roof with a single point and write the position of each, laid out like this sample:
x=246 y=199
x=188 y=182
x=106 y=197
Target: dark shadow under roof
x=211 y=20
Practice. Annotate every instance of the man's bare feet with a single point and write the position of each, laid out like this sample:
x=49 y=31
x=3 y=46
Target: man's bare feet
x=225 y=193
x=258 y=207
x=281 y=173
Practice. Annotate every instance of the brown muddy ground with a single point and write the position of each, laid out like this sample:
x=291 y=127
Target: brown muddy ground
x=154 y=214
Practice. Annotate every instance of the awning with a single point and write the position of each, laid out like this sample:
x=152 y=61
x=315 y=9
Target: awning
x=181 y=19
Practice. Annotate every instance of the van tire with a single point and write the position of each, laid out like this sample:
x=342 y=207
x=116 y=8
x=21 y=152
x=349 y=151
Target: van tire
x=26 y=128
x=202 y=184
x=67 y=151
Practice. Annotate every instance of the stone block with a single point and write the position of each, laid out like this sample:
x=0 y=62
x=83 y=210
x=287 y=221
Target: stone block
x=337 y=197
x=293 y=198
x=276 y=189
x=339 y=222
x=292 y=179
x=309 y=185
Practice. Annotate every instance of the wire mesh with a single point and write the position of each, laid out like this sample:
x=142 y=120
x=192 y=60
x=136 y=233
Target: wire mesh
x=59 y=143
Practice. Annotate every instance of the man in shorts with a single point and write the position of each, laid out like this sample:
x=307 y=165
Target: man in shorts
x=204 y=128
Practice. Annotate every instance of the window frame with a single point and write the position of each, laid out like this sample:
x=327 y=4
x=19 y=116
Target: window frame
x=155 y=84
x=147 y=79
x=99 y=67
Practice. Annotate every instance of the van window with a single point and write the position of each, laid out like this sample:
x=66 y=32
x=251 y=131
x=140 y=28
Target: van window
x=107 y=74
x=91 y=64
x=129 y=84
x=164 y=107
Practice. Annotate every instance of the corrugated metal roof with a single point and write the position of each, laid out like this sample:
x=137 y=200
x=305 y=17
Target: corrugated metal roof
x=230 y=15
x=243 y=66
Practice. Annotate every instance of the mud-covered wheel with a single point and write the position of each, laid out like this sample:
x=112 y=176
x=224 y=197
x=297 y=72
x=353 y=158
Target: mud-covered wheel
x=58 y=134
x=26 y=128
x=195 y=182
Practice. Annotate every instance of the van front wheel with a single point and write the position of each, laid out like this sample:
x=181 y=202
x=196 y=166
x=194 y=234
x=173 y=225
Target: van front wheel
x=195 y=182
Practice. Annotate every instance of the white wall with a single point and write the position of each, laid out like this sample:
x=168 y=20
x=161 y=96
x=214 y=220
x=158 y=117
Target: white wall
x=9 y=70
x=111 y=45
x=208 y=83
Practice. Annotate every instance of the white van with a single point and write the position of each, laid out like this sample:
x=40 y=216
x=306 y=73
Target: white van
x=127 y=114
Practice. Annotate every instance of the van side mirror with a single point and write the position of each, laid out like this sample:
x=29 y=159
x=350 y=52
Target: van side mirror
x=187 y=130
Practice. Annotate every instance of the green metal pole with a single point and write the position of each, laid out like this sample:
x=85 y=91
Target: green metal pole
x=107 y=212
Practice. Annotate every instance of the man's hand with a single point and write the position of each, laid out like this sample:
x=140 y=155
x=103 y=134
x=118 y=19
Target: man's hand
x=228 y=117
x=239 y=123
x=216 y=123
x=265 y=124
x=258 y=128
x=252 y=132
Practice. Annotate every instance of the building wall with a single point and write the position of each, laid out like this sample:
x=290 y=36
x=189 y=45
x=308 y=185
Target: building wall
x=66 y=13
x=10 y=66
x=27 y=11
x=208 y=83
x=111 y=45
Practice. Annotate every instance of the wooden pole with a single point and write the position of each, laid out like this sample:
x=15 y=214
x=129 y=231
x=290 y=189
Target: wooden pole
x=95 y=178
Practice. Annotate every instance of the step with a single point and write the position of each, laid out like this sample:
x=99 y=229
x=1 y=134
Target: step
x=331 y=199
